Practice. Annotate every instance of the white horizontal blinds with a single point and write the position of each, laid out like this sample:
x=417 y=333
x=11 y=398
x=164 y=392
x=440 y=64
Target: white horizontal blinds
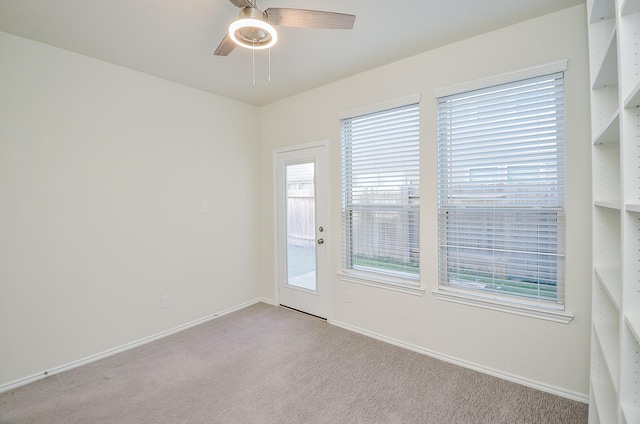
x=381 y=192
x=501 y=190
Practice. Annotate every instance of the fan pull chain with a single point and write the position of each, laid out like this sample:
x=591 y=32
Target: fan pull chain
x=253 y=65
x=269 y=65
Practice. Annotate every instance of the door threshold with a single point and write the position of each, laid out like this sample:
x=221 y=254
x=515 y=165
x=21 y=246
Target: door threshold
x=302 y=312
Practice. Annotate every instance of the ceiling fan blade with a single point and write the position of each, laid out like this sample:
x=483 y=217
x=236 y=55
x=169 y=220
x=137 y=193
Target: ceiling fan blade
x=309 y=18
x=225 y=47
x=241 y=3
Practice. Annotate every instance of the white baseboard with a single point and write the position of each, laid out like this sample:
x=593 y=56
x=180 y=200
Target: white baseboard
x=580 y=397
x=56 y=370
x=267 y=301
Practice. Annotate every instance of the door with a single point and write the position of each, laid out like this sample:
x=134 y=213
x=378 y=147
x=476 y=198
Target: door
x=301 y=232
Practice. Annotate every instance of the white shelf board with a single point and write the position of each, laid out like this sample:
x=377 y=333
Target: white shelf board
x=610 y=278
x=632 y=207
x=605 y=402
x=611 y=131
x=608 y=72
x=609 y=204
x=628 y=7
x=633 y=322
x=633 y=99
x=602 y=10
x=607 y=334
x=631 y=414
x=613 y=66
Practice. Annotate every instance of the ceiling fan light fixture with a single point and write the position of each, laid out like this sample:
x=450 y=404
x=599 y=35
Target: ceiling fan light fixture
x=254 y=27
x=251 y=31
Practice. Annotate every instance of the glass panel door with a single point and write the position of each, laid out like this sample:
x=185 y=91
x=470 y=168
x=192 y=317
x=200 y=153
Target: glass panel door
x=301 y=222
x=301 y=229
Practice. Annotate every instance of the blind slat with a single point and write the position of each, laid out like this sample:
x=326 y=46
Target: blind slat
x=501 y=189
x=380 y=188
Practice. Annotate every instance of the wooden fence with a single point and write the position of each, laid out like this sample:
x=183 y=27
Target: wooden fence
x=301 y=220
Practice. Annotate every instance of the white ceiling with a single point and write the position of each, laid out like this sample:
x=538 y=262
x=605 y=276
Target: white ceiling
x=175 y=39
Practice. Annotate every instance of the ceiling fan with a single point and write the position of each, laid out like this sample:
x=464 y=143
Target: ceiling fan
x=254 y=28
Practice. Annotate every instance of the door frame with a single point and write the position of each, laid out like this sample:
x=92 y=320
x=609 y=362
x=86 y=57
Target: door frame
x=327 y=233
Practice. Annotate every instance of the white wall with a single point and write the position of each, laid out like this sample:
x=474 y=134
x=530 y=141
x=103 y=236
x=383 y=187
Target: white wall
x=103 y=171
x=102 y=174
x=551 y=355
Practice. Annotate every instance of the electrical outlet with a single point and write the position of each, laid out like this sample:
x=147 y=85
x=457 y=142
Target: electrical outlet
x=349 y=296
x=165 y=303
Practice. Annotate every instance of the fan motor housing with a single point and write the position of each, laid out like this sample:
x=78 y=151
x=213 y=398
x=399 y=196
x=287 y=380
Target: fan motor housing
x=253 y=36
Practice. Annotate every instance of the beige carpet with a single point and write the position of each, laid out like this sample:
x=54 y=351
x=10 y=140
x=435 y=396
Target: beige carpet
x=266 y=364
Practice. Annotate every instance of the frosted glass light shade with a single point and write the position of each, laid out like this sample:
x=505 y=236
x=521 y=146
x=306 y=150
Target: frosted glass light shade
x=253 y=33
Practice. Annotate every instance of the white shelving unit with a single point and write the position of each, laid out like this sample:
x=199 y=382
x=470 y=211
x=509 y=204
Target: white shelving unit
x=614 y=50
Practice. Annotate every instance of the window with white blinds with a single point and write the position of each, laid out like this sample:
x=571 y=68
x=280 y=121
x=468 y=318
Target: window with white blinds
x=501 y=191
x=381 y=193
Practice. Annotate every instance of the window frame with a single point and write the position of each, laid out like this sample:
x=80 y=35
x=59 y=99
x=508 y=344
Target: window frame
x=396 y=281
x=553 y=311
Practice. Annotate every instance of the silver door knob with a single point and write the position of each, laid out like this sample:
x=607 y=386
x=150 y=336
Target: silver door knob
x=320 y=241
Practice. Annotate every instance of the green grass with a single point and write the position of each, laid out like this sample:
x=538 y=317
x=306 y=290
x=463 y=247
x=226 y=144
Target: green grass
x=521 y=288
x=386 y=264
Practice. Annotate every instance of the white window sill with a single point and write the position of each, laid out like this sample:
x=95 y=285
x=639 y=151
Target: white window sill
x=383 y=283
x=555 y=315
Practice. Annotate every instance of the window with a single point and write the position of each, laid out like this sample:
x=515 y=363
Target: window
x=381 y=194
x=501 y=192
